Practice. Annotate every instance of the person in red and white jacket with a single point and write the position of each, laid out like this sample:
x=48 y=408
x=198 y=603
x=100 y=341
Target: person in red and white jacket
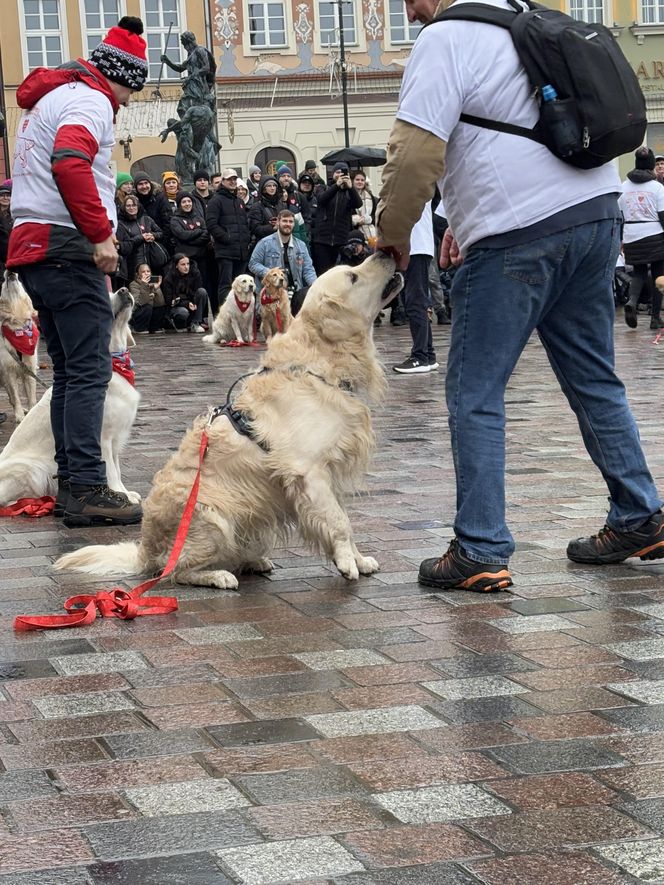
x=63 y=243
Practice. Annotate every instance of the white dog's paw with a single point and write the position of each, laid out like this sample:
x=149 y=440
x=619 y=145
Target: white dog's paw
x=208 y=338
x=19 y=415
x=347 y=566
x=134 y=497
x=258 y=566
x=366 y=565
x=224 y=580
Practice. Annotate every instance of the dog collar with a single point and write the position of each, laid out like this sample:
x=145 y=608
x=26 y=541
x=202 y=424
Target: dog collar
x=23 y=340
x=243 y=306
x=123 y=365
x=265 y=298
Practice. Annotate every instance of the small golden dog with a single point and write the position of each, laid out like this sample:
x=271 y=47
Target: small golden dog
x=275 y=306
x=19 y=337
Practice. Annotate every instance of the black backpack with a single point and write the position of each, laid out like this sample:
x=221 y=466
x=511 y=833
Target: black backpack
x=599 y=112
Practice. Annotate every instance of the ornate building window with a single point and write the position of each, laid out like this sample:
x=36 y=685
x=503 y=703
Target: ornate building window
x=43 y=33
x=589 y=10
x=267 y=24
x=401 y=30
x=328 y=23
x=157 y=17
x=97 y=17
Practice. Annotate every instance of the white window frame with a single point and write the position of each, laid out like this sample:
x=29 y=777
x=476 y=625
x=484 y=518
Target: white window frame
x=267 y=47
x=86 y=33
x=253 y=51
x=62 y=33
x=658 y=20
x=391 y=43
x=357 y=45
x=605 y=13
x=168 y=75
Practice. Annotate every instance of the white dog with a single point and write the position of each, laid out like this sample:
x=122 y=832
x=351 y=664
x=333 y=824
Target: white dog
x=309 y=445
x=19 y=336
x=235 y=320
x=27 y=462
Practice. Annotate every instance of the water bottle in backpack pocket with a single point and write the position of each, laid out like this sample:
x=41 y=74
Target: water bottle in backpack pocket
x=560 y=124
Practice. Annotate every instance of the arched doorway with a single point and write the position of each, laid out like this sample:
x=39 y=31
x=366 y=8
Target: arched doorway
x=154 y=166
x=268 y=158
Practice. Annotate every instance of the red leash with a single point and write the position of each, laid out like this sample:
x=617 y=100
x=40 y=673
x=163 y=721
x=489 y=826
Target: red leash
x=30 y=507
x=118 y=603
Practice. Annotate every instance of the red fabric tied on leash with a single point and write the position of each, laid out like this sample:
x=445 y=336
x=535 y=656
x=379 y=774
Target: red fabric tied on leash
x=34 y=507
x=265 y=299
x=23 y=340
x=118 y=603
x=124 y=365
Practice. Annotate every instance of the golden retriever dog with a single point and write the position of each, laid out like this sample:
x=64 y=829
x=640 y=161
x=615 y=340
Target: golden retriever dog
x=235 y=320
x=275 y=305
x=307 y=407
x=17 y=315
x=27 y=462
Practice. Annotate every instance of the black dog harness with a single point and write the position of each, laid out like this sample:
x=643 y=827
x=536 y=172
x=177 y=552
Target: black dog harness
x=239 y=419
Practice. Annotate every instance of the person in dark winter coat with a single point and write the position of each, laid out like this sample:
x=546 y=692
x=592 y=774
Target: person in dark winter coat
x=308 y=202
x=336 y=206
x=166 y=206
x=148 y=195
x=228 y=225
x=188 y=231
x=136 y=232
x=264 y=210
x=5 y=222
x=184 y=294
x=254 y=181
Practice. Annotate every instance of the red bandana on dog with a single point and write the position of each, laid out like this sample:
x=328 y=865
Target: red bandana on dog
x=124 y=365
x=23 y=340
x=265 y=298
x=242 y=305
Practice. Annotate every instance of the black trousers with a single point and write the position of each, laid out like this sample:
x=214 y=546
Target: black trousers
x=325 y=257
x=228 y=268
x=416 y=299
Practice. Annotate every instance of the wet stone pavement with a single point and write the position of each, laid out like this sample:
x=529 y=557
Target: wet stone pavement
x=310 y=730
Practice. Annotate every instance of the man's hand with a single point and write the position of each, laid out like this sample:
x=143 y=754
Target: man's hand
x=106 y=255
x=148 y=237
x=401 y=254
x=450 y=256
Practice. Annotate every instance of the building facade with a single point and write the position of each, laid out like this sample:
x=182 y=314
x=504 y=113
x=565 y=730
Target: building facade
x=279 y=69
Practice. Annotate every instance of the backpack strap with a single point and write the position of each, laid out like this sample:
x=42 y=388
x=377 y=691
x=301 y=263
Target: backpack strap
x=502 y=18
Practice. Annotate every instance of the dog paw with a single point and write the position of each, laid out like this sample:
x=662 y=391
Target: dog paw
x=134 y=497
x=224 y=580
x=347 y=567
x=367 y=565
x=258 y=566
x=19 y=416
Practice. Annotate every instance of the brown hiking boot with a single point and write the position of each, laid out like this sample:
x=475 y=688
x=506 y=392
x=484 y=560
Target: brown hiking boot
x=99 y=505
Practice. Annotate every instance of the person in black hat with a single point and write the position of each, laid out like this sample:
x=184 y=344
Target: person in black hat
x=308 y=201
x=311 y=168
x=336 y=206
x=202 y=190
x=147 y=194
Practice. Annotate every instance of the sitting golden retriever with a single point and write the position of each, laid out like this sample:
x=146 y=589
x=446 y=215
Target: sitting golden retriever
x=235 y=320
x=275 y=305
x=19 y=337
x=311 y=439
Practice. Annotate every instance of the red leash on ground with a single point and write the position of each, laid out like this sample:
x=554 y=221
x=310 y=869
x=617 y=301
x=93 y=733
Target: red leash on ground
x=118 y=603
x=34 y=507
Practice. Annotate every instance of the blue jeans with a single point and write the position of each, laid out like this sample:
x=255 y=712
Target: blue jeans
x=416 y=300
x=560 y=286
x=75 y=318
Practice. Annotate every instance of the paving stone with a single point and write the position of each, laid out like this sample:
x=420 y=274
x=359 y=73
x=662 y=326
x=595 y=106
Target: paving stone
x=50 y=754
x=558 y=828
x=649 y=812
x=25 y=670
x=431 y=874
x=639 y=781
x=551 y=605
x=164 y=696
x=476 y=687
x=195 y=715
x=637 y=719
x=336 y=660
x=176 y=833
x=290 y=683
x=406 y=718
x=228 y=633
x=468 y=737
x=553 y=791
x=404 y=846
x=66 y=811
x=111 y=662
x=643 y=650
x=570 y=869
x=494 y=709
x=643 y=859
x=70 y=876
x=464 y=665
x=186 y=797
x=28 y=689
x=565 y=726
x=647 y=691
x=267 y=732
x=28 y=651
x=319 y=818
x=52 y=849
x=400 y=774
x=440 y=804
x=187 y=869
x=540 y=757
x=78 y=727
x=531 y=624
x=82 y=704
x=259 y=758
x=120 y=775
x=571 y=700
x=289 y=861
x=290 y=786
x=183 y=740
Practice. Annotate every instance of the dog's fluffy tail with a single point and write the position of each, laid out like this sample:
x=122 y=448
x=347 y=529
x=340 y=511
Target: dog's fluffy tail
x=109 y=560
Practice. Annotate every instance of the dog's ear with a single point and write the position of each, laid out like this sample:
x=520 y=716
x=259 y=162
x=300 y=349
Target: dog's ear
x=334 y=321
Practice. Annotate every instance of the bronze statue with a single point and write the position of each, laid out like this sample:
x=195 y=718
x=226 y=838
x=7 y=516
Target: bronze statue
x=197 y=145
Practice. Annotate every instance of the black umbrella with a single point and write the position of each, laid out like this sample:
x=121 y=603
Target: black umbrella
x=356 y=156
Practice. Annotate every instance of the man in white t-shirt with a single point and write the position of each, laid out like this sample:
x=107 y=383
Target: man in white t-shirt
x=538 y=240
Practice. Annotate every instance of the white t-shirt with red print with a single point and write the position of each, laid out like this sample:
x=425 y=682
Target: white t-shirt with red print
x=639 y=204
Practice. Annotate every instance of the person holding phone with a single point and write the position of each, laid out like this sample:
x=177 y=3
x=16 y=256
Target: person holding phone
x=149 y=305
x=334 y=218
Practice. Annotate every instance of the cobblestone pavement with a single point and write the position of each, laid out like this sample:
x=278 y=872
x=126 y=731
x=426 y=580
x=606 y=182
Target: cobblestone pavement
x=311 y=730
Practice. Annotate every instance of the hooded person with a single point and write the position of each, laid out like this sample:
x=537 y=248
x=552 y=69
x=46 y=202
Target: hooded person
x=263 y=212
x=253 y=181
x=147 y=194
x=308 y=200
x=188 y=230
x=62 y=243
x=642 y=206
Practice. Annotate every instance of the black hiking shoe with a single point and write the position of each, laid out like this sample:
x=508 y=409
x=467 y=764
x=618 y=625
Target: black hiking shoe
x=630 y=314
x=99 y=505
x=61 y=498
x=455 y=571
x=610 y=545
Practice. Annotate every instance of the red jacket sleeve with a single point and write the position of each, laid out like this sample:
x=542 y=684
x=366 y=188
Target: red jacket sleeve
x=71 y=164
